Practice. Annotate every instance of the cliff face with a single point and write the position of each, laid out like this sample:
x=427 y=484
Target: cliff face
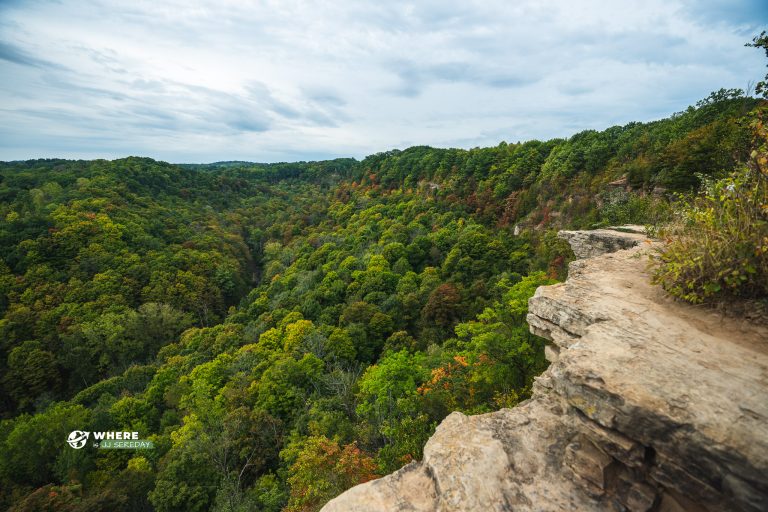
x=648 y=405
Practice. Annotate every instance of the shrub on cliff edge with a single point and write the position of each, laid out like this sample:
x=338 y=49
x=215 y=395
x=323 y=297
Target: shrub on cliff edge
x=718 y=246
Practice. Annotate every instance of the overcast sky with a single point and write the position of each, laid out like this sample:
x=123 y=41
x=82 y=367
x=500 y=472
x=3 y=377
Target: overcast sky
x=201 y=81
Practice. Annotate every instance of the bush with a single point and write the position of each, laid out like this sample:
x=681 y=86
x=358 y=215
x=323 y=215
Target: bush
x=620 y=207
x=718 y=245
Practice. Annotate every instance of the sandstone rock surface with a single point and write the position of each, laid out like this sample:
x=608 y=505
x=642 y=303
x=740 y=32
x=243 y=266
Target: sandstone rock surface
x=588 y=244
x=648 y=405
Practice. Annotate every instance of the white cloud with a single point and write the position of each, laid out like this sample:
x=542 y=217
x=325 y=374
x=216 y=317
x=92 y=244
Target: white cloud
x=282 y=80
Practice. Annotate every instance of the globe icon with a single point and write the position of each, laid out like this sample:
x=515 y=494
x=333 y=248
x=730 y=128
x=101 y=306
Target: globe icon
x=77 y=439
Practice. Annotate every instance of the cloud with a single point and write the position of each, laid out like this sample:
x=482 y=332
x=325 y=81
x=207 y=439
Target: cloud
x=283 y=80
x=12 y=53
x=416 y=77
x=244 y=122
x=752 y=13
x=324 y=96
x=317 y=109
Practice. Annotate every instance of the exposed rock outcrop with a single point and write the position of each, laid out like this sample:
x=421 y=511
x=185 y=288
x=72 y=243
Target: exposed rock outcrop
x=588 y=244
x=648 y=405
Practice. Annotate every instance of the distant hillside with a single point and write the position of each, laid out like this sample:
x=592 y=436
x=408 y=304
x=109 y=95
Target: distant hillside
x=528 y=181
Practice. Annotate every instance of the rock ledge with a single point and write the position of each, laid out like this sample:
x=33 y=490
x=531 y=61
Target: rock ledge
x=588 y=244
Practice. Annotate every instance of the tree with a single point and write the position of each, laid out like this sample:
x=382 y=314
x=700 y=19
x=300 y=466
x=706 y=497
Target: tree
x=240 y=446
x=386 y=389
x=323 y=470
x=186 y=481
x=761 y=41
x=443 y=306
x=35 y=463
x=284 y=387
x=156 y=325
x=32 y=372
x=499 y=355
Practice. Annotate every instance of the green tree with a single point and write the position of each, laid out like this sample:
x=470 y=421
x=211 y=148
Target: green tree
x=32 y=372
x=761 y=41
x=323 y=470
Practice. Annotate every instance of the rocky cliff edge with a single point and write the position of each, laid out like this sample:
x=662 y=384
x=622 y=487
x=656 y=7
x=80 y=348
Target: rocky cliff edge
x=648 y=405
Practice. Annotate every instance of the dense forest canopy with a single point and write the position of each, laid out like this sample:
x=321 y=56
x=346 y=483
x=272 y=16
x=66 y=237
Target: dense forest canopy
x=282 y=332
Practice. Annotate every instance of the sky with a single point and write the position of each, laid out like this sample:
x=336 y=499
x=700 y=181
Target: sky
x=205 y=81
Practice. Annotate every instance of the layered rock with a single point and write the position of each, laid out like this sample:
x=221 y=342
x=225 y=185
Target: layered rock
x=648 y=405
x=588 y=244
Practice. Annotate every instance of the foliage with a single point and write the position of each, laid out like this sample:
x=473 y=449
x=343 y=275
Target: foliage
x=620 y=208
x=719 y=246
x=761 y=41
x=323 y=470
x=495 y=356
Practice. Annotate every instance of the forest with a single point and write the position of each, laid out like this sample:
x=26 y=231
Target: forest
x=282 y=332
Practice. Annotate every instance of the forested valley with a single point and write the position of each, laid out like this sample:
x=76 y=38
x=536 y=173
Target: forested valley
x=282 y=332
